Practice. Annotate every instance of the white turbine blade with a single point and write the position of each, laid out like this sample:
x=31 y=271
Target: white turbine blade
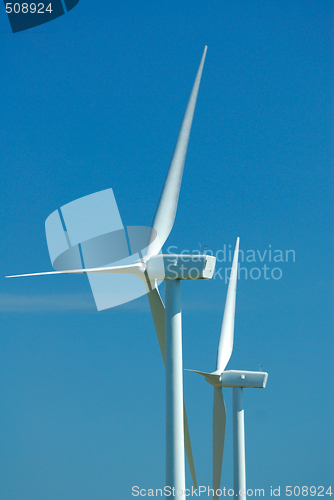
x=218 y=437
x=166 y=211
x=225 y=345
x=187 y=446
x=137 y=269
x=158 y=314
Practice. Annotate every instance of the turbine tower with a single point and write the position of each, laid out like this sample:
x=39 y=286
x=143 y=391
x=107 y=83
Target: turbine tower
x=236 y=379
x=152 y=267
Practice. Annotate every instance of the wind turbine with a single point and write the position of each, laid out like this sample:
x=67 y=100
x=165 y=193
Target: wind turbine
x=167 y=320
x=236 y=379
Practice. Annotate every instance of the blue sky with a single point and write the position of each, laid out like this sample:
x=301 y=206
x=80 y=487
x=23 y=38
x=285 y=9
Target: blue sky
x=94 y=100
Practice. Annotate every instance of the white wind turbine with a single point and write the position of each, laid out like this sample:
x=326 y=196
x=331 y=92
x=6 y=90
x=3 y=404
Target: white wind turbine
x=167 y=320
x=236 y=379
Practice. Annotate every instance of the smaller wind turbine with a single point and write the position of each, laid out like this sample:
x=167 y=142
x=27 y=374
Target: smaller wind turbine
x=236 y=379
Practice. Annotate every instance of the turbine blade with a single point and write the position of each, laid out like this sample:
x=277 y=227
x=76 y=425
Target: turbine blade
x=218 y=436
x=225 y=345
x=187 y=446
x=137 y=269
x=158 y=314
x=166 y=210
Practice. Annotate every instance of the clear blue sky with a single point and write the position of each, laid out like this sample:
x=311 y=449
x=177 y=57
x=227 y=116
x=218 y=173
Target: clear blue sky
x=94 y=100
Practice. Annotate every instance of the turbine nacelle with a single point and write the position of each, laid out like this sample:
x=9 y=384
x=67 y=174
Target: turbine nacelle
x=236 y=378
x=180 y=267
